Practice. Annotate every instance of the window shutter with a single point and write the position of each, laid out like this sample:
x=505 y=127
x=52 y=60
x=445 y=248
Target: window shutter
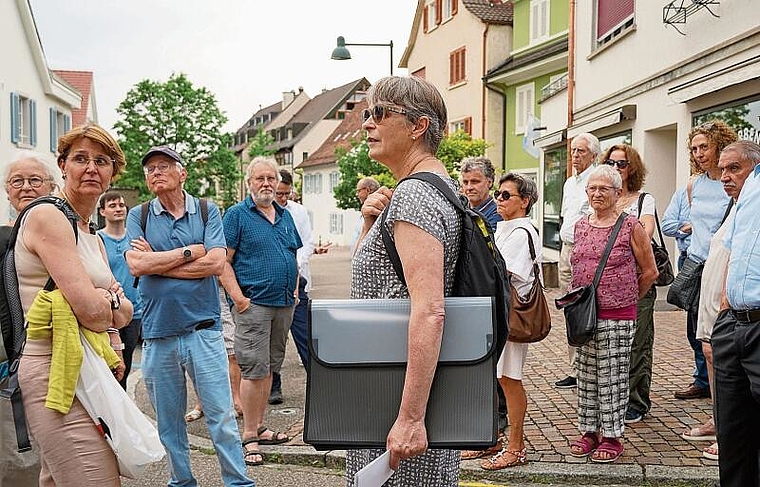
x=425 y=19
x=468 y=125
x=33 y=122
x=452 y=67
x=66 y=123
x=14 y=118
x=53 y=129
x=610 y=14
x=462 y=64
x=544 y=18
x=438 y=11
x=454 y=5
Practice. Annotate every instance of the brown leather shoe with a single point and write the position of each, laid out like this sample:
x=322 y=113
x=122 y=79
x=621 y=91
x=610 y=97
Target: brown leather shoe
x=692 y=392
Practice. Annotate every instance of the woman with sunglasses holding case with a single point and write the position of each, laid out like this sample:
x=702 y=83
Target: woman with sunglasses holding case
x=404 y=126
x=628 y=163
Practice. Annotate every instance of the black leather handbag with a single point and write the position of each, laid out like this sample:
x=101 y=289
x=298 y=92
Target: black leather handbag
x=684 y=292
x=579 y=305
x=661 y=257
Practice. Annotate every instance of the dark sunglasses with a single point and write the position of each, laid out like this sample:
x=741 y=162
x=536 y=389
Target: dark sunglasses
x=505 y=195
x=379 y=112
x=622 y=164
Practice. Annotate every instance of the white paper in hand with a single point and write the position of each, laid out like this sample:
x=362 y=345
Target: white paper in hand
x=376 y=473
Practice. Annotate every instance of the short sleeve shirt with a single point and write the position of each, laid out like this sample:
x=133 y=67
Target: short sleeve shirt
x=265 y=262
x=422 y=205
x=173 y=307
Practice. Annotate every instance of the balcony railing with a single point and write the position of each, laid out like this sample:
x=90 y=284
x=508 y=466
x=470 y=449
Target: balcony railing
x=554 y=87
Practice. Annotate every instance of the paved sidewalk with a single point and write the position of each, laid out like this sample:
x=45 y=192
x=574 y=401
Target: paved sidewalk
x=654 y=453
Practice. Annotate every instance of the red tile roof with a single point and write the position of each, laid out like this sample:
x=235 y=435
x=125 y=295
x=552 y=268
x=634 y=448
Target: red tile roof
x=349 y=129
x=82 y=81
x=491 y=12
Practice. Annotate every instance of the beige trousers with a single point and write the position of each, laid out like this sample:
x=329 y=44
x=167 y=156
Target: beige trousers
x=72 y=451
x=565 y=276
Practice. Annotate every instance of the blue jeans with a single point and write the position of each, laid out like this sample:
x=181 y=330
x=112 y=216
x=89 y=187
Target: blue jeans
x=700 y=363
x=202 y=356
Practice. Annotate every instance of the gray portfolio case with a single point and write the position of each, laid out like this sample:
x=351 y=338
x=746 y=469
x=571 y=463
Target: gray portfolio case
x=357 y=362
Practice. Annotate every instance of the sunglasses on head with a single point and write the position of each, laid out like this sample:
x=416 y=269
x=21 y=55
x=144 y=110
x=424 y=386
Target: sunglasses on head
x=621 y=164
x=379 y=112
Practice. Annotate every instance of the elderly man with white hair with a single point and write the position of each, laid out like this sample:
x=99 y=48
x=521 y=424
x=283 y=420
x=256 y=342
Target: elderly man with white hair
x=262 y=280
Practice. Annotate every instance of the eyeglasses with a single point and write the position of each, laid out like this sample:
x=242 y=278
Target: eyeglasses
x=161 y=167
x=598 y=189
x=34 y=182
x=84 y=159
x=622 y=163
x=505 y=195
x=282 y=194
x=379 y=112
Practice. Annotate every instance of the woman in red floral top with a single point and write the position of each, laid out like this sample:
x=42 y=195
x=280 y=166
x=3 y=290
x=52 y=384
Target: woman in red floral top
x=603 y=362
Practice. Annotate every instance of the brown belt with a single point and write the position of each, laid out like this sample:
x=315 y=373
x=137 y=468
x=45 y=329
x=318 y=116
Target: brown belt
x=746 y=315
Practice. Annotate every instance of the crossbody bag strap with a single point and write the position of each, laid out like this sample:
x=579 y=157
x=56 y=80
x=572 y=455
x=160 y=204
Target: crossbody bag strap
x=728 y=210
x=608 y=249
x=532 y=250
x=656 y=220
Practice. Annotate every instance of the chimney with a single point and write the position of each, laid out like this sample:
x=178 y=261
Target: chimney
x=287 y=98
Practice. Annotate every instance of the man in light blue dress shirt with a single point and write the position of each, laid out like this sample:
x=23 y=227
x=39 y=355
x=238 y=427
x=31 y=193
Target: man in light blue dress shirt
x=736 y=336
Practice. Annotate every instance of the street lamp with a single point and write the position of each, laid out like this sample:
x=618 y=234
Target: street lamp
x=340 y=52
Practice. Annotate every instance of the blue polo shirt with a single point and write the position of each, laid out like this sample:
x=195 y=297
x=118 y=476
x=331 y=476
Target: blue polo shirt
x=265 y=253
x=743 y=239
x=488 y=209
x=115 y=248
x=173 y=307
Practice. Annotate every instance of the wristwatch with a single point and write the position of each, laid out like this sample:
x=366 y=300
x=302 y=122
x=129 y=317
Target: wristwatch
x=115 y=300
x=187 y=253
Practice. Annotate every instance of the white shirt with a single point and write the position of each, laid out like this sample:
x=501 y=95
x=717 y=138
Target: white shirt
x=303 y=225
x=513 y=245
x=574 y=204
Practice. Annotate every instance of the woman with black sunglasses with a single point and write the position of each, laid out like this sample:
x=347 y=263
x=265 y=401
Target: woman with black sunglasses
x=628 y=163
x=404 y=124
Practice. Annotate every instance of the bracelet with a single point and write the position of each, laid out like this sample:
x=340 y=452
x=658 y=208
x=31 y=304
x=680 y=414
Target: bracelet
x=115 y=301
x=112 y=330
x=117 y=346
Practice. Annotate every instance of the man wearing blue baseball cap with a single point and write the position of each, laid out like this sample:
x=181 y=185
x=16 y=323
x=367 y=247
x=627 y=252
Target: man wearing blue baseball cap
x=178 y=250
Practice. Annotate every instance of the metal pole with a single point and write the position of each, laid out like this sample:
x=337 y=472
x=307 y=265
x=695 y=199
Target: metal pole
x=391 y=46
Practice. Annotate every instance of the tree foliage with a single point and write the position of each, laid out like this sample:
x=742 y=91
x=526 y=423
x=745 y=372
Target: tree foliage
x=186 y=118
x=261 y=144
x=355 y=164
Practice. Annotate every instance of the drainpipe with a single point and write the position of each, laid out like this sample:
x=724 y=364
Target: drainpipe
x=570 y=80
x=503 y=154
x=484 y=92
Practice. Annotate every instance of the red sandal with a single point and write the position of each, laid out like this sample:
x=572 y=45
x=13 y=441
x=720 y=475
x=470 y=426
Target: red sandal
x=609 y=446
x=585 y=445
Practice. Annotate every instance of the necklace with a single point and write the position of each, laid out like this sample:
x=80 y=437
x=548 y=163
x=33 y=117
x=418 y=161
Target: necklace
x=84 y=220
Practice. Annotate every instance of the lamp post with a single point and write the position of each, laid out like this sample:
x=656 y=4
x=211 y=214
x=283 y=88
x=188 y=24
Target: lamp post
x=340 y=52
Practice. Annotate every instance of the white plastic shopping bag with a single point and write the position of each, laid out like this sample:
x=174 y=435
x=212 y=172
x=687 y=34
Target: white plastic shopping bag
x=130 y=434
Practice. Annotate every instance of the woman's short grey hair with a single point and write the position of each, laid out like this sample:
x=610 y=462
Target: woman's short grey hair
x=262 y=161
x=23 y=155
x=609 y=173
x=420 y=99
x=526 y=188
x=479 y=163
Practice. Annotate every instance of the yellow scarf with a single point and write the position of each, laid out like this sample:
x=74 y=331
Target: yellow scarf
x=50 y=316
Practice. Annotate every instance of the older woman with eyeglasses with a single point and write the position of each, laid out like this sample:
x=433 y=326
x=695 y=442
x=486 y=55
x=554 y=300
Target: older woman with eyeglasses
x=603 y=362
x=72 y=451
x=633 y=201
x=404 y=124
x=27 y=178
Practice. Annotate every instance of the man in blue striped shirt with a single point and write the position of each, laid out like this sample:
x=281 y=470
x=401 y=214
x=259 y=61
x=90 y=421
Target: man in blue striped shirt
x=736 y=336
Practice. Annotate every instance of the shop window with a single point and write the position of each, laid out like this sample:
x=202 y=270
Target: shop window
x=555 y=163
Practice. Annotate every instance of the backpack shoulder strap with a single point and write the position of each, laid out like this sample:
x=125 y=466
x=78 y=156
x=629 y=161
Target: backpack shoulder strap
x=388 y=242
x=144 y=210
x=203 y=203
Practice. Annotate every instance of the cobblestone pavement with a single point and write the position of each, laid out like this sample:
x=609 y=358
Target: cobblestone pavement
x=550 y=425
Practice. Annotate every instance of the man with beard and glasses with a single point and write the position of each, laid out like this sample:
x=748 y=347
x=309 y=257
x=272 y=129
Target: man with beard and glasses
x=261 y=278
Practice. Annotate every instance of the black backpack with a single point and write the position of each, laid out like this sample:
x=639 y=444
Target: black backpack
x=480 y=268
x=12 y=314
